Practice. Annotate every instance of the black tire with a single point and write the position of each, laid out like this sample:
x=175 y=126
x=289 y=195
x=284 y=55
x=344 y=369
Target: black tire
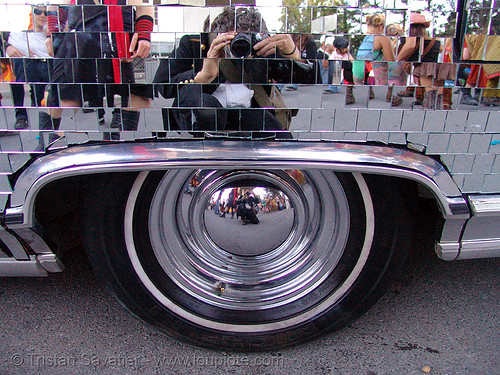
x=119 y=228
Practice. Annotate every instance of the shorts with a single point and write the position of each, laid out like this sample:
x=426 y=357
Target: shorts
x=446 y=72
x=426 y=69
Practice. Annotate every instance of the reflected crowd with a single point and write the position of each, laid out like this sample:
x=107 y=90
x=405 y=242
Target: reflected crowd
x=245 y=204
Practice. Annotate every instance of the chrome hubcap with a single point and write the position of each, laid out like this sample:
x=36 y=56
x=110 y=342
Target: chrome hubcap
x=303 y=226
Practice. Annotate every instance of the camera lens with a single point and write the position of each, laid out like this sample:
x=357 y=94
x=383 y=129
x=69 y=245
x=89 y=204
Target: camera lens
x=241 y=45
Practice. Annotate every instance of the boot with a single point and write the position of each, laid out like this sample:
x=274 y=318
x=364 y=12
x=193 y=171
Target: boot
x=371 y=95
x=349 y=95
x=439 y=102
x=100 y=116
x=21 y=123
x=467 y=99
x=419 y=95
x=430 y=99
x=407 y=93
x=394 y=100
x=447 y=94
x=125 y=120
x=130 y=120
x=116 y=119
x=21 y=119
x=48 y=123
x=388 y=96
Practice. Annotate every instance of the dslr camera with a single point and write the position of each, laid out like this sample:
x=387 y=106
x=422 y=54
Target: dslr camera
x=242 y=44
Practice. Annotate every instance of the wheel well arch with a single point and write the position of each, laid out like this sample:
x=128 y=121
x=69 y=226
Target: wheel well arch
x=58 y=205
x=57 y=210
x=133 y=157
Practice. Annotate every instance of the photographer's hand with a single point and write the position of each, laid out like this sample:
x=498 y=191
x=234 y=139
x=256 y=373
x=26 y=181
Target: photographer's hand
x=279 y=42
x=210 y=69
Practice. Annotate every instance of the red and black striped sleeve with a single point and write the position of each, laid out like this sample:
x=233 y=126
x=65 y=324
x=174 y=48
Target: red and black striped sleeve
x=56 y=20
x=144 y=27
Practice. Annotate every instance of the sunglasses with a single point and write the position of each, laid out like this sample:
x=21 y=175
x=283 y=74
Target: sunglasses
x=39 y=11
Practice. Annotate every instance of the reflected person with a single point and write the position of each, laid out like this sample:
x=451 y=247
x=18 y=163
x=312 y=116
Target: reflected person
x=246 y=208
x=99 y=48
x=30 y=59
x=203 y=88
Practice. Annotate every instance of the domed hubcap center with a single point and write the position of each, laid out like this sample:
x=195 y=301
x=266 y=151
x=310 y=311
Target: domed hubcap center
x=249 y=220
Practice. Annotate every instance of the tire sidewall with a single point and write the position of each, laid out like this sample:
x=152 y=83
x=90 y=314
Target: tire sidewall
x=104 y=239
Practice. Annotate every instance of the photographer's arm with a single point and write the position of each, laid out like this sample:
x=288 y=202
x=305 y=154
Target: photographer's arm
x=178 y=69
x=282 y=46
x=210 y=69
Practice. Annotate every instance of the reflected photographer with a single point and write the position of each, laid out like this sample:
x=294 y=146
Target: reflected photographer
x=230 y=86
x=246 y=208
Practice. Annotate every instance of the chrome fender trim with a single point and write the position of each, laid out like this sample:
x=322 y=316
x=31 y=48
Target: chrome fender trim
x=139 y=156
x=481 y=236
x=27 y=254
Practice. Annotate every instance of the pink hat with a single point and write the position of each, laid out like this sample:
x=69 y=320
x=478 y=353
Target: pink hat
x=417 y=18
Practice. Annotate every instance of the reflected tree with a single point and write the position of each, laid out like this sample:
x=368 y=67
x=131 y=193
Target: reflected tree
x=444 y=14
x=478 y=15
x=297 y=15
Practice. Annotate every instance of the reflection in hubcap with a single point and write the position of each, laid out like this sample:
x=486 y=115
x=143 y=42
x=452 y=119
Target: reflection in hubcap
x=249 y=220
x=287 y=235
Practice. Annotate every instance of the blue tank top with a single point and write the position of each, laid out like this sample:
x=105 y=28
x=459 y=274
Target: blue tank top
x=365 y=50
